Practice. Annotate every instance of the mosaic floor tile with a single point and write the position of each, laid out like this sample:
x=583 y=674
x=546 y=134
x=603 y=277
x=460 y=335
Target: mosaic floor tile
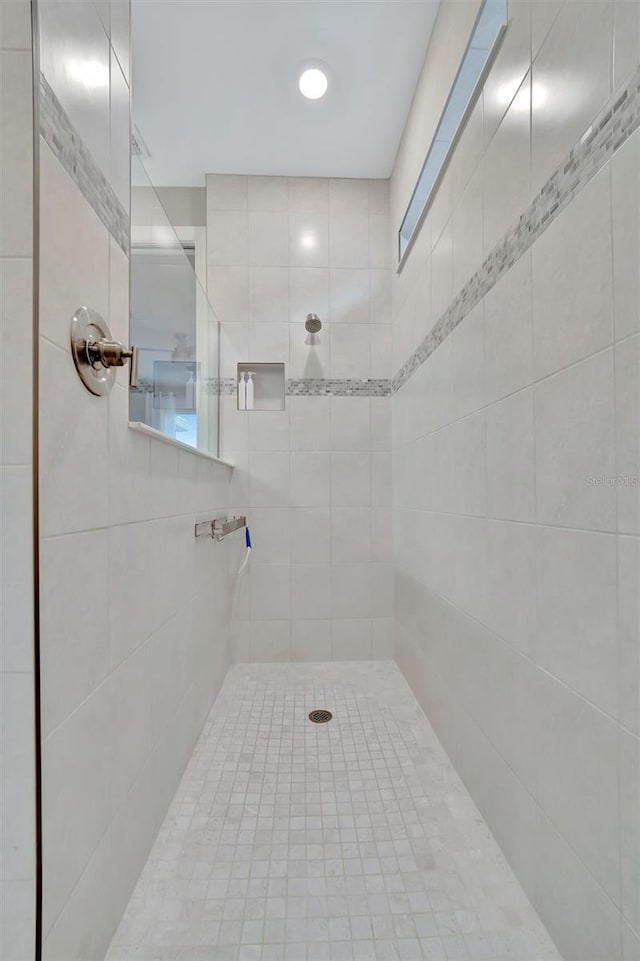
x=354 y=839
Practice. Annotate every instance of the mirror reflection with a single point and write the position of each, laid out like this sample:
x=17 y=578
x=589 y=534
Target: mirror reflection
x=172 y=323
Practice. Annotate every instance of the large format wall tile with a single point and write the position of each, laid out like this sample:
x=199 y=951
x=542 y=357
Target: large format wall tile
x=577 y=758
x=511 y=458
x=17 y=792
x=68 y=223
x=511 y=582
x=625 y=186
x=508 y=345
x=580 y=917
x=119 y=150
x=75 y=59
x=572 y=300
x=571 y=81
x=626 y=40
x=73 y=448
x=16 y=583
x=17 y=929
x=86 y=922
x=627 y=375
x=467 y=359
x=309 y=240
x=15 y=25
x=519 y=629
x=17 y=707
x=576 y=629
x=628 y=620
x=127 y=687
x=76 y=797
x=16 y=153
x=16 y=331
x=575 y=446
x=507 y=168
x=75 y=657
x=629 y=754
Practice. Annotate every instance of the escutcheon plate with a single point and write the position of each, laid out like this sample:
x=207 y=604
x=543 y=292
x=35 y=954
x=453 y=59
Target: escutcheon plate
x=87 y=326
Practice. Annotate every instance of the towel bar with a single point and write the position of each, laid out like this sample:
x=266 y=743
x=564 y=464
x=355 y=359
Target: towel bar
x=220 y=527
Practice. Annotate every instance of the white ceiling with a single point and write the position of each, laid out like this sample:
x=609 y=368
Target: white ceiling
x=215 y=85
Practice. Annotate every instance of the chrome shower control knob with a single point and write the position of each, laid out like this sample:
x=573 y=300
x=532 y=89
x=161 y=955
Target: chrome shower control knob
x=96 y=354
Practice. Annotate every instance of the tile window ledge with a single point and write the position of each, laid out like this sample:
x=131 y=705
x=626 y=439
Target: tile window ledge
x=141 y=428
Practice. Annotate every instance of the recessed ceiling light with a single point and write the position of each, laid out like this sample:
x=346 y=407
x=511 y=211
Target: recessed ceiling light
x=313 y=83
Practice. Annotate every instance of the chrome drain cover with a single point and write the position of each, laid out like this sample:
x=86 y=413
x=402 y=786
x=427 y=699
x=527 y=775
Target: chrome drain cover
x=320 y=717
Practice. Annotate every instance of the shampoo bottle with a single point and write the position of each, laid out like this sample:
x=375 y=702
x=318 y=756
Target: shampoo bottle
x=242 y=392
x=250 y=374
x=190 y=393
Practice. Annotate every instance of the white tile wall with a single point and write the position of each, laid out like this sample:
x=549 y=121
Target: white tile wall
x=516 y=618
x=17 y=763
x=135 y=613
x=280 y=248
x=76 y=26
x=516 y=555
x=625 y=201
x=575 y=67
x=573 y=311
x=316 y=469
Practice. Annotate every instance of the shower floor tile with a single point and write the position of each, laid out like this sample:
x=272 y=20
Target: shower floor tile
x=354 y=839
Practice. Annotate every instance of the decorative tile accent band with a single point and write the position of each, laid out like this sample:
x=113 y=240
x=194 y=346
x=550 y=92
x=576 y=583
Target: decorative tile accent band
x=225 y=386
x=302 y=387
x=335 y=387
x=68 y=146
x=610 y=129
x=213 y=386
x=320 y=387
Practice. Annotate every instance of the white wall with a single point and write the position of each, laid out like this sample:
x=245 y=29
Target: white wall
x=317 y=476
x=135 y=611
x=17 y=826
x=517 y=611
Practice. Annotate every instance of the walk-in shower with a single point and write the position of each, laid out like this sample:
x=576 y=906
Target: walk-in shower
x=320 y=609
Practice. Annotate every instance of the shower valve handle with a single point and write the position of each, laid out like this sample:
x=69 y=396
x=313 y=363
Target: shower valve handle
x=112 y=353
x=96 y=354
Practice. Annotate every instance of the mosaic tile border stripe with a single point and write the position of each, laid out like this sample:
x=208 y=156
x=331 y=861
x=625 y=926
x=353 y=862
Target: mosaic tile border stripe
x=301 y=387
x=611 y=128
x=336 y=387
x=67 y=145
x=322 y=387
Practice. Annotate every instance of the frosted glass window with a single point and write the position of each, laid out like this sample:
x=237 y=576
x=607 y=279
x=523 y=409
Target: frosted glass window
x=487 y=32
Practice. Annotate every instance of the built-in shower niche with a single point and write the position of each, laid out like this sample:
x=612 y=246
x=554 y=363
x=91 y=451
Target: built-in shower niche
x=268 y=386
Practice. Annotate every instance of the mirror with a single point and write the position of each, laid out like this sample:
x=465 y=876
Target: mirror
x=172 y=323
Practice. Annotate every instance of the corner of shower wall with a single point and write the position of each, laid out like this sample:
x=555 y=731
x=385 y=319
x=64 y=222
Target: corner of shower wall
x=17 y=698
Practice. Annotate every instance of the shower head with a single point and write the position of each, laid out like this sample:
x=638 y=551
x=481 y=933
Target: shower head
x=313 y=324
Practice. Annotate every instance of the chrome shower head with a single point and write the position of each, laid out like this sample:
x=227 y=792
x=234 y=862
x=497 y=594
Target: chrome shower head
x=313 y=324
